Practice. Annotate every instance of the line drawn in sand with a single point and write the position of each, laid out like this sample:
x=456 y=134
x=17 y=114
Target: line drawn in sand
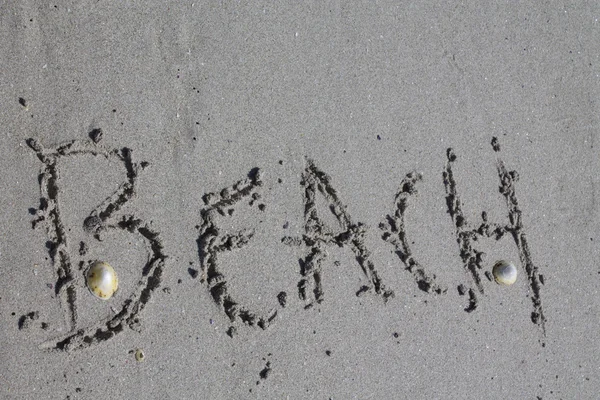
x=212 y=241
x=466 y=234
x=394 y=232
x=100 y=222
x=318 y=236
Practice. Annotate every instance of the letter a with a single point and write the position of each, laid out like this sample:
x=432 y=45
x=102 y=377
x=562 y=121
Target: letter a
x=317 y=236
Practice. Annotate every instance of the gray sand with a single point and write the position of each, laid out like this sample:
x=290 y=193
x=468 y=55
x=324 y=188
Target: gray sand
x=335 y=105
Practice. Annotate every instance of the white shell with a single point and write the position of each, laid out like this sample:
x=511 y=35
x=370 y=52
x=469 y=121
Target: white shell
x=139 y=355
x=102 y=280
x=505 y=272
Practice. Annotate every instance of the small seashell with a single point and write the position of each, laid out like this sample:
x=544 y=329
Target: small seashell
x=102 y=280
x=139 y=355
x=505 y=272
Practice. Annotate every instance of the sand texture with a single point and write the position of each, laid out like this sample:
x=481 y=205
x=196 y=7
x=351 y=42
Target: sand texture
x=300 y=200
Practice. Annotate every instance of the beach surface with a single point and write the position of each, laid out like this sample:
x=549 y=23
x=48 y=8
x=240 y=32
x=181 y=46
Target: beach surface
x=300 y=201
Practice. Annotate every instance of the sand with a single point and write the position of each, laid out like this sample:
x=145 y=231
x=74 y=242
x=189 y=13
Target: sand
x=300 y=200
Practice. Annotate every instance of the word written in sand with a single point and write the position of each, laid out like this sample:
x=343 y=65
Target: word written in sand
x=213 y=242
